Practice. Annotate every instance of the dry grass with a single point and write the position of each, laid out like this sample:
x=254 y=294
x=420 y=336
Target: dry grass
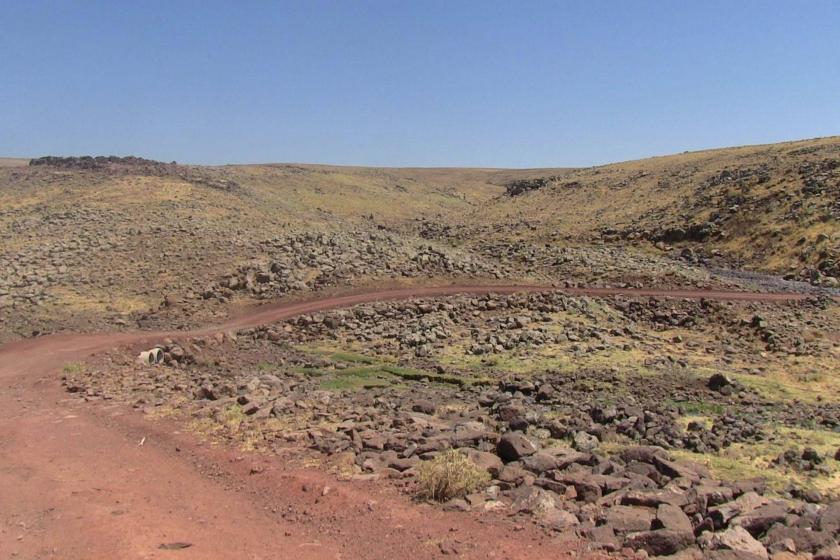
x=450 y=475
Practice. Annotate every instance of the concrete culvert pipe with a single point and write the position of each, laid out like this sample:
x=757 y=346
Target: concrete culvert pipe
x=150 y=357
x=146 y=358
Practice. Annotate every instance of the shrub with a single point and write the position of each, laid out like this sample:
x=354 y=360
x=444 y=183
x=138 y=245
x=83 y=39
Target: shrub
x=450 y=475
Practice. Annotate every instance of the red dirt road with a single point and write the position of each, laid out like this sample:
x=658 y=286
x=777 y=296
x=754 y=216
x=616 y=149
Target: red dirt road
x=76 y=482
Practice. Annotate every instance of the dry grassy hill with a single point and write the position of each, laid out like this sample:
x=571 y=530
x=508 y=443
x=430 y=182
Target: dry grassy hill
x=87 y=239
x=771 y=208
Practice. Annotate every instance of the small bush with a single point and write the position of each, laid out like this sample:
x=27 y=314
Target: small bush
x=450 y=475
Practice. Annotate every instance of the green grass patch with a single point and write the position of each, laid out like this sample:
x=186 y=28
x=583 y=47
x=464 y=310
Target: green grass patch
x=419 y=375
x=355 y=379
x=233 y=416
x=698 y=408
x=73 y=367
x=352 y=358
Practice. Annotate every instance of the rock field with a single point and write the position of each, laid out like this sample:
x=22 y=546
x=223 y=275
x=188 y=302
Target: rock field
x=611 y=445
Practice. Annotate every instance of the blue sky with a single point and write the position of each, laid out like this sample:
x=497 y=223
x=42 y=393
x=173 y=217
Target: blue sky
x=427 y=83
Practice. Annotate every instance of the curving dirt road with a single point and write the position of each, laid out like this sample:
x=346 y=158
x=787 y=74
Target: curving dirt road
x=82 y=481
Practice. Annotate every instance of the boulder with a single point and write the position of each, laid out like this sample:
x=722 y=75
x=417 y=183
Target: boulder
x=629 y=519
x=672 y=518
x=585 y=442
x=661 y=542
x=558 y=519
x=533 y=500
x=737 y=539
x=484 y=460
x=804 y=540
x=425 y=406
x=830 y=518
x=759 y=520
x=718 y=382
x=643 y=454
x=513 y=446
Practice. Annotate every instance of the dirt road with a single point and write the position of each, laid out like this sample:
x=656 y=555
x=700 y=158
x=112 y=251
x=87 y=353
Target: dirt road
x=98 y=481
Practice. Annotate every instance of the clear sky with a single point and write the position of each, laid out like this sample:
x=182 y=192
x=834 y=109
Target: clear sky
x=426 y=82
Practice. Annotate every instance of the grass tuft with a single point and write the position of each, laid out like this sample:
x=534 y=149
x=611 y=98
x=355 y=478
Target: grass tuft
x=450 y=475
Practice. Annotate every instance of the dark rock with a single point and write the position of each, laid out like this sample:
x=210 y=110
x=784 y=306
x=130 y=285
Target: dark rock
x=513 y=446
x=660 y=542
x=629 y=519
x=655 y=498
x=830 y=518
x=585 y=442
x=736 y=539
x=424 y=406
x=602 y=537
x=672 y=518
x=759 y=520
x=487 y=461
x=676 y=470
x=642 y=454
x=805 y=540
x=718 y=381
x=558 y=519
x=540 y=462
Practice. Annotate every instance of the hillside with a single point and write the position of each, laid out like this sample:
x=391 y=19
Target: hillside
x=115 y=239
x=773 y=208
x=641 y=392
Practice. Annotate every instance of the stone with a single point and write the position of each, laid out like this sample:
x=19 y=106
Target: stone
x=602 y=537
x=739 y=540
x=540 y=462
x=676 y=470
x=642 y=454
x=533 y=500
x=558 y=519
x=654 y=498
x=804 y=540
x=484 y=460
x=513 y=446
x=585 y=442
x=718 y=381
x=425 y=406
x=660 y=542
x=724 y=513
x=586 y=486
x=672 y=518
x=456 y=504
x=830 y=518
x=629 y=519
x=759 y=520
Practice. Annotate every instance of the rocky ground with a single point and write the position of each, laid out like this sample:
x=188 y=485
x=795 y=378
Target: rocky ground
x=654 y=425
x=665 y=426
x=94 y=243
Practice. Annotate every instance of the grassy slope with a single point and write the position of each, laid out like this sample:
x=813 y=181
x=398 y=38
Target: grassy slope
x=132 y=237
x=675 y=191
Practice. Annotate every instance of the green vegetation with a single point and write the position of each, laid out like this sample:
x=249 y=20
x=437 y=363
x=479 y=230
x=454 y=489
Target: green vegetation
x=72 y=367
x=354 y=379
x=698 y=408
x=372 y=372
x=233 y=416
x=352 y=358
